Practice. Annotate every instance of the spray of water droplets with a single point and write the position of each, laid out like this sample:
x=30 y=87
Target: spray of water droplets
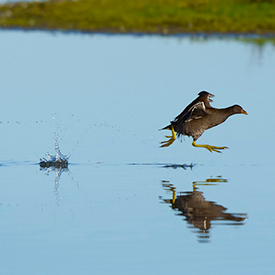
x=57 y=160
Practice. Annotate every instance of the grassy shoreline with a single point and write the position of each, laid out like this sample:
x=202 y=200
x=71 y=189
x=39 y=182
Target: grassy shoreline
x=143 y=16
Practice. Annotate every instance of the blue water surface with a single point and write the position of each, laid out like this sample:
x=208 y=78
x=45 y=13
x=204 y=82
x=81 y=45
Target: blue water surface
x=111 y=211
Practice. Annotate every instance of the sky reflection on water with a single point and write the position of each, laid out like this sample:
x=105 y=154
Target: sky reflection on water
x=107 y=97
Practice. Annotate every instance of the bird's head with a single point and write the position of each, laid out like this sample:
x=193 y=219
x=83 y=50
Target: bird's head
x=239 y=110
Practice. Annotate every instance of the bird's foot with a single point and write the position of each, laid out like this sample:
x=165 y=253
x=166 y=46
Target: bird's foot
x=167 y=143
x=210 y=148
x=171 y=139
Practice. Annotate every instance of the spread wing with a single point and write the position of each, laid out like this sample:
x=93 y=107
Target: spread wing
x=204 y=97
x=197 y=111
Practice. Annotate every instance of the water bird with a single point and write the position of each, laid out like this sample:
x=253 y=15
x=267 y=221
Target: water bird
x=198 y=117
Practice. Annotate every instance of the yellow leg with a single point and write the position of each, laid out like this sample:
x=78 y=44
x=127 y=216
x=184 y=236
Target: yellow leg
x=171 y=139
x=174 y=197
x=210 y=148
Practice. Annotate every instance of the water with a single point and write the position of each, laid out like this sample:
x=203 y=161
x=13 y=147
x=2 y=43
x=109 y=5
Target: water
x=58 y=160
x=110 y=210
x=200 y=213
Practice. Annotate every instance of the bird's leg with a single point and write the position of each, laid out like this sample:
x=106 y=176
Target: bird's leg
x=171 y=139
x=174 y=197
x=210 y=148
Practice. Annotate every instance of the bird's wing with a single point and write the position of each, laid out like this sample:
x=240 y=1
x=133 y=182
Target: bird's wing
x=198 y=111
x=186 y=111
x=203 y=97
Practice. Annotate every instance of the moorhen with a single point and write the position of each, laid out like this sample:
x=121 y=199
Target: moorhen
x=198 y=117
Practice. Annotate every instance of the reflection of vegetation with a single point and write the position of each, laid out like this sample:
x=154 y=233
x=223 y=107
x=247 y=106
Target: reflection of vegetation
x=198 y=211
x=154 y=16
x=259 y=41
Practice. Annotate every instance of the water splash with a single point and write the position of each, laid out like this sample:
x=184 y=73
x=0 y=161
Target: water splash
x=58 y=160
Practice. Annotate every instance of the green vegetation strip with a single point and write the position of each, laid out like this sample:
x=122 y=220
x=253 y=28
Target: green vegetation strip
x=143 y=16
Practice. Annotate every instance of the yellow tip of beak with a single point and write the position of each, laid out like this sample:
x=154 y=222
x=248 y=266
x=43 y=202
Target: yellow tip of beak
x=244 y=112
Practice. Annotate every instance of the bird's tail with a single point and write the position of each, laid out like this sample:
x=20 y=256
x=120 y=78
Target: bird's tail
x=168 y=127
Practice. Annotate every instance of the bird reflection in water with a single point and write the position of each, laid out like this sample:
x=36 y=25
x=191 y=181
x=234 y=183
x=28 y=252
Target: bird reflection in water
x=198 y=211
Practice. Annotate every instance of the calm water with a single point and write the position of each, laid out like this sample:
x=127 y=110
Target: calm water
x=125 y=206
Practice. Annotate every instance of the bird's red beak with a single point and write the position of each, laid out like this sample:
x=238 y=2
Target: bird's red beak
x=244 y=112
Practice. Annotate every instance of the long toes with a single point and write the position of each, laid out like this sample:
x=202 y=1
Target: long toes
x=165 y=141
x=208 y=148
x=216 y=150
x=166 y=144
x=221 y=148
